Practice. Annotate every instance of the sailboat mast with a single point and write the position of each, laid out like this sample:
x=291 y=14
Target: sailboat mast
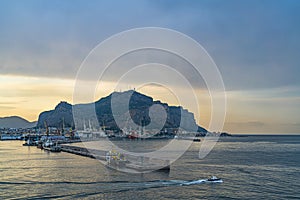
x=84 y=126
x=90 y=127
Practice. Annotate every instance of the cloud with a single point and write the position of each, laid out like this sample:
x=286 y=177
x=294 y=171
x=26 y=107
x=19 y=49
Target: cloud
x=262 y=127
x=255 y=123
x=6 y=102
x=254 y=47
x=250 y=123
x=7 y=107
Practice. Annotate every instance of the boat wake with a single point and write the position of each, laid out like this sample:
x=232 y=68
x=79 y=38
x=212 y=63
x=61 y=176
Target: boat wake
x=106 y=187
x=200 y=181
x=193 y=182
x=158 y=183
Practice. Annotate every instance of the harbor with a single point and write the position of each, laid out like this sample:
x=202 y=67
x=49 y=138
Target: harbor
x=98 y=143
x=66 y=140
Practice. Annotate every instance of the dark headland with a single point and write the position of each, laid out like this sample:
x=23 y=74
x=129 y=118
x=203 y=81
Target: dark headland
x=60 y=120
x=139 y=105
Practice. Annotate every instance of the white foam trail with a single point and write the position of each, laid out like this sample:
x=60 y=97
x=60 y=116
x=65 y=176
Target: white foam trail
x=200 y=181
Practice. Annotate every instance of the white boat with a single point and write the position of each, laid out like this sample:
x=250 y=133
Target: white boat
x=214 y=179
x=91 y=132
x=29 y=142
x=48 y=143
x=10 y=137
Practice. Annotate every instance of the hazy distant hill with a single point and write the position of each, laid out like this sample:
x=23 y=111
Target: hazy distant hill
x=139 y=105
x=15 y=122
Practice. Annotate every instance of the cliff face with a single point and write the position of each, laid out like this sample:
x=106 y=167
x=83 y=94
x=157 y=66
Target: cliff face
x=55 y=118
x=139 y=105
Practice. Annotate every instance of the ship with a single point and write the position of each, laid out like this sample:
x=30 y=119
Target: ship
x=136 y=164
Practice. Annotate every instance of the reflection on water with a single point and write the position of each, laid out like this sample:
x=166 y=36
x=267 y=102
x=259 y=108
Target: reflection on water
x=251 y=167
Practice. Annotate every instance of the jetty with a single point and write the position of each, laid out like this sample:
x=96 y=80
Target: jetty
x=81 y=151
x=133 y=163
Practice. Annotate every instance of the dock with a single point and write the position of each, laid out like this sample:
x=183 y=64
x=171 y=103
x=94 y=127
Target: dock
x=134 y=163
x=81 y=151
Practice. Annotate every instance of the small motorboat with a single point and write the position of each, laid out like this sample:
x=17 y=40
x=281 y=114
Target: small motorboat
x=214 y=179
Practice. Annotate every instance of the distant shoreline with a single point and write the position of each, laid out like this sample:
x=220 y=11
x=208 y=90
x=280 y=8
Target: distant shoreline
x=264 y=134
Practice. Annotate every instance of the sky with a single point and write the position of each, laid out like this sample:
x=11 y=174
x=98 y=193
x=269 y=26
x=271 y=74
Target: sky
x=254 y=43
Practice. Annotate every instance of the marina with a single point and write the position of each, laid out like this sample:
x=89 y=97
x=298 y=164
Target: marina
x=67 y=140
x=55 y=142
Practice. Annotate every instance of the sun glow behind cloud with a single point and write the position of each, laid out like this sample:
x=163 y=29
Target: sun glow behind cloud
x=269 y=110
x=257 y=111
x=28 y=96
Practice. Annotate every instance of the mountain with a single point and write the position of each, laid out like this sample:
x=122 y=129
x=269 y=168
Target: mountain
x=139 y=110
x=62 y=113
x=15 y=122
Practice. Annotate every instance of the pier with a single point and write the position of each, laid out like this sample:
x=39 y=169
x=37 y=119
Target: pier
x=133 y=163
x=95 y=154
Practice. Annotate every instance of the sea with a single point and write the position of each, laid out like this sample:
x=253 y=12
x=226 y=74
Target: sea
x=251 y=167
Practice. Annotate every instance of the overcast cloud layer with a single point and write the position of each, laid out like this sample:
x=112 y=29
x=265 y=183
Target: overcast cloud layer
x=254 y=43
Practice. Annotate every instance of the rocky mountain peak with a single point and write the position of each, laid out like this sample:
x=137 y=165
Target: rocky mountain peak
x=139 y=105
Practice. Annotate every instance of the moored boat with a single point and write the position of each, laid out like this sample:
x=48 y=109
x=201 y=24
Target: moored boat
x=29 y=142
x=136 y=164
x=10 y=137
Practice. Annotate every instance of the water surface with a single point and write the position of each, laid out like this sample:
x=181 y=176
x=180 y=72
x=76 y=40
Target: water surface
x=254 y=167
